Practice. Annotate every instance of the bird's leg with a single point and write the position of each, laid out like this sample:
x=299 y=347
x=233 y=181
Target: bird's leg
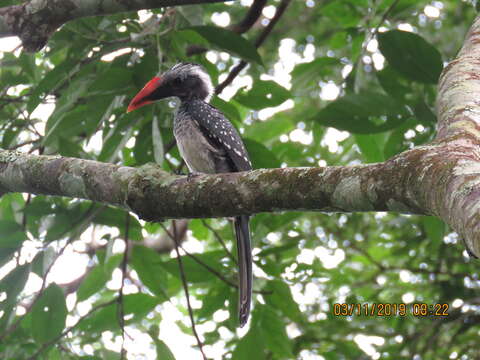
x=179 y=172
x=192 y=175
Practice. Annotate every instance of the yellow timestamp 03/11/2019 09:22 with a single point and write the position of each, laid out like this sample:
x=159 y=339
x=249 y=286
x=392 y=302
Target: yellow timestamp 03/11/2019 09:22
x=391 y=309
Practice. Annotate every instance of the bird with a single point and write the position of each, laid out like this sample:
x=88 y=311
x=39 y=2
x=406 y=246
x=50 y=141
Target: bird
x=209 y=144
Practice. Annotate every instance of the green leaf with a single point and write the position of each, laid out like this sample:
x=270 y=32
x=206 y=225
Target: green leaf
x=393 y=83
x=395 y=143
x=43 y=260
x=49 y=314
x=143 y=149
x=434 y=227
x=343 y=13
x=115 y=217
x=116 y=138
x=11 y=234
x=308 y=74
x=263 y=94
x=67 y=101
x=116 y=79
x=83 y=120
x=49 y=82
x=106 y=318
x=195 y=272
x=411 y=55
x=6 y=254
x=364 y=113
x=274 y=333
x=163 y=352
x=61 y=225
x=139 y=304
x=95 y=281
x=251 y=346
x=229 y=41
x=103 y=319
x=261 y=156
x=424 y=113
x=13 y=283
x=193 y=14
x=228 y=109
x=147 y=264
x=27 y=61
x=213 y=301
x=270 y=129
x=54 y=354
x=281 y=298
x=400 y=6
x=371 y=147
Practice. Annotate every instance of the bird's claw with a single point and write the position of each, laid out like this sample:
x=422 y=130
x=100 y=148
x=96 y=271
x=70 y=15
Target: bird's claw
x=192 y=175
x=178 y=171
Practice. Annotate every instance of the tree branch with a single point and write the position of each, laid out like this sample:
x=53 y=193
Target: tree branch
x=35 y=20
x=441 y=178
x=415 y=181
x=458 y=128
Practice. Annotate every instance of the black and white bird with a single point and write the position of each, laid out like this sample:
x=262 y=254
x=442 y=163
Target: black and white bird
x=208 y=143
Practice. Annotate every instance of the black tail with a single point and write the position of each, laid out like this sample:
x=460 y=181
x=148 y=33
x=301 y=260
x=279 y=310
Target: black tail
x=242 y=232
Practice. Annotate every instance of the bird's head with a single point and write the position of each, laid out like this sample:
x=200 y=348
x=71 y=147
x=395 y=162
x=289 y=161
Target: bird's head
x=184 y=80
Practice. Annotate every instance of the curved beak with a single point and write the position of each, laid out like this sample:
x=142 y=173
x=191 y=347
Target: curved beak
x=144 y=96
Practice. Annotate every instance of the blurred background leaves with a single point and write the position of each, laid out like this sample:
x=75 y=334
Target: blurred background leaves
x=336 y=82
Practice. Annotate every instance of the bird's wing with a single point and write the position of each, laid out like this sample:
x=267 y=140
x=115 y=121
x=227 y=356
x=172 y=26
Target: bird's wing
x=220 y=131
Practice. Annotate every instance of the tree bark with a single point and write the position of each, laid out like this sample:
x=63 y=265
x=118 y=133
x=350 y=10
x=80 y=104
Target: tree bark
x=458 y=132
x=412 y=182
x=35 y=20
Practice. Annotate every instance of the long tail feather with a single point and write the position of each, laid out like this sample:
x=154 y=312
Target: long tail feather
x=242 y=233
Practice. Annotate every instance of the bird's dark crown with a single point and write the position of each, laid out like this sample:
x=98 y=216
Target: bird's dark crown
x=185 y=81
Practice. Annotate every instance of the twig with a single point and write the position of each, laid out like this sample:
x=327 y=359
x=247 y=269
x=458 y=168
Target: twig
x=28 y=142
x=369 y=37
x=185 y=288
x=71 y=328
x=195 y=258
x=241 y=65
x=209 y=268
x=220 y=240
x=169 y=146
x=384 y=17
x=251 y=17
x=212 y=270
x=121 y=310
x=368 y=256
x=218 y=274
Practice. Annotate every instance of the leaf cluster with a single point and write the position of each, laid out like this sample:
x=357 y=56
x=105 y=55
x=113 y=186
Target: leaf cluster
x=70 y=99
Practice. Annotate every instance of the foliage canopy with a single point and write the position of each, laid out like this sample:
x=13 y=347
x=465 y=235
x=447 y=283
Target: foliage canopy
x=305 y=262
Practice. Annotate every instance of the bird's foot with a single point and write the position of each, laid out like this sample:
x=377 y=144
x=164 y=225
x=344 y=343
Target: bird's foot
x=178 y=172
x=192 y=175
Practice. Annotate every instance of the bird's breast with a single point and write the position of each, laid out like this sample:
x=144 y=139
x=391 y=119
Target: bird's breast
x=198 y=153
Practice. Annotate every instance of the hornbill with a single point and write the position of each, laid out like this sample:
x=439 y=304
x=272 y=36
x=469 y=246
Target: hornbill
x=208 y=143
